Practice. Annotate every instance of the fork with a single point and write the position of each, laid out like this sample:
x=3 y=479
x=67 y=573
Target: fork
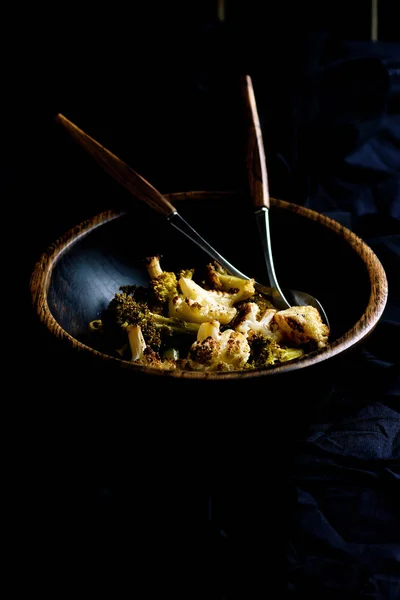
x=259 y=195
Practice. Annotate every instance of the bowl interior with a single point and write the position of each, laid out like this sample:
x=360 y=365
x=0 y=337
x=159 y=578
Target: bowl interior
x=94 y=261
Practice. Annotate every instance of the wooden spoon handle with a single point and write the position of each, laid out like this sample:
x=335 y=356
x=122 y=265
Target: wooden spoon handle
x=120 y=171
x=255 y=155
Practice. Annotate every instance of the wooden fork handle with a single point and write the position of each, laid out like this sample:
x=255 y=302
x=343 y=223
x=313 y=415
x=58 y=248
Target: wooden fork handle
x=255 y=154
x=120 y=171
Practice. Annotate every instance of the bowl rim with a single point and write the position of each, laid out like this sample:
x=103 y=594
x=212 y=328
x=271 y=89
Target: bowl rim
x=41 y=276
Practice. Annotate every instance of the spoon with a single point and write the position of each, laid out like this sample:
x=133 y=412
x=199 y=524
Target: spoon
x=141 y=189
x=259 y=195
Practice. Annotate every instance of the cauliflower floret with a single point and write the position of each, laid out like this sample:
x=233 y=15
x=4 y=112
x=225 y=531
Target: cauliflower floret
x=197 y=305
x=218 y=351
x=229 y=286
x=249 y=319
x=194 y=291
x=302 y=325
x=193 y=312
x=136 y=340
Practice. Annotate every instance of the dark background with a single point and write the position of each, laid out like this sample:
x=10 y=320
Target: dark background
x=158 y=84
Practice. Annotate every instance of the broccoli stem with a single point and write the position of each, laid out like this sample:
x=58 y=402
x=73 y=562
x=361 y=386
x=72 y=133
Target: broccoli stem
x=175 y=326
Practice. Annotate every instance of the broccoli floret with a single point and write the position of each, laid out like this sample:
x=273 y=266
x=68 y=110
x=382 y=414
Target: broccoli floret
x=124 y=310
x=163 y=284
x=144 y=295
x=265 y=351
x=139 y=292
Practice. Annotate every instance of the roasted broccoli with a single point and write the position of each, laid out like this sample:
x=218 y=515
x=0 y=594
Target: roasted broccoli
x=222 y=324
x=265 y=351
x=163 y=284
x=124 y=310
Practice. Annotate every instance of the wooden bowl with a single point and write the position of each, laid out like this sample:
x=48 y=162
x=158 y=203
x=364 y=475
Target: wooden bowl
x=78 y=275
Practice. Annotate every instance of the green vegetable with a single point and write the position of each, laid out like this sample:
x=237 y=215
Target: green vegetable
x=265 y=351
